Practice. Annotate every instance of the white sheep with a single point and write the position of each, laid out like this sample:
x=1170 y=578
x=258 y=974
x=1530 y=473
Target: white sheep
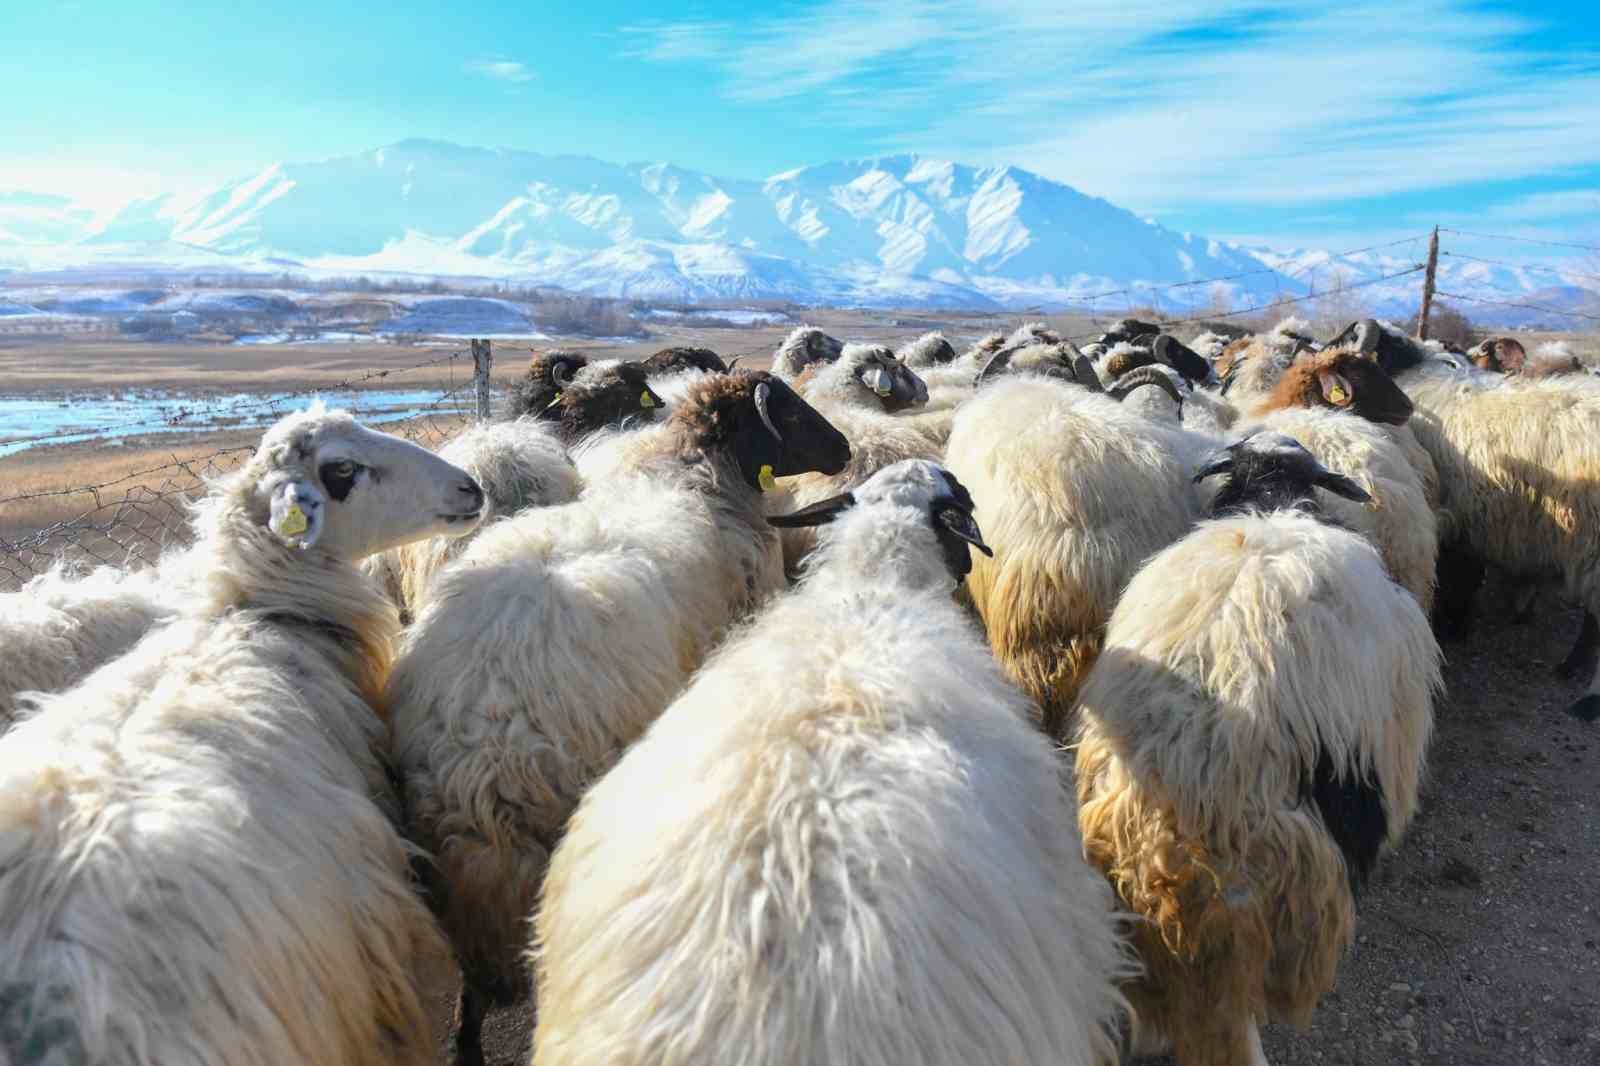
x=927 y=351
x=844 y=843
x=61 y=626
x=1250 y=740
x=518 y=464
x=556 y=638
x=1074 y=490
x=196 y=865
x=1517 y=460
x=804 y=346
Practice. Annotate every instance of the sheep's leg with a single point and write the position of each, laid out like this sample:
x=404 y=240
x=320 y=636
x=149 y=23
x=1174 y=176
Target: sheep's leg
x=470 y=1012
x=1582 y=656
x=1587 y=707
x=1460 y=574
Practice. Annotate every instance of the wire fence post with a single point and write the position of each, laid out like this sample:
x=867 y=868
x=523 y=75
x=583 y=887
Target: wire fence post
x=1427 y=286
x=482 y=363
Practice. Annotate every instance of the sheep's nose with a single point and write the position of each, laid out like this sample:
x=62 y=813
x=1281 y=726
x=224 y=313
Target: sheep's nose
x=469 y=488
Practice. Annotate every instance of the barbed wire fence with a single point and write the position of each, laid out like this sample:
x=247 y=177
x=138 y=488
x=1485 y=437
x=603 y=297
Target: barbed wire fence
x=129 y=519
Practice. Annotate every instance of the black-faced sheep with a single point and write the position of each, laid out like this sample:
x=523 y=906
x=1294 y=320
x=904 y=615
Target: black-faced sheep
x=928 y=350
x=580 y=396
x=197 y=858
x=559 y=635
x=844 y=843
x=1250 y=740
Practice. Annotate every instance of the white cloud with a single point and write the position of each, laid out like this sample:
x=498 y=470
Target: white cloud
x=499 y=69
x=1264 y=102
x=1544 y=206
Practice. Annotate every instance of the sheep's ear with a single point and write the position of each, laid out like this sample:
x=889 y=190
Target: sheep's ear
x=819 y=513
x=1336 y=388
x=1340 y=485
x=295 y=513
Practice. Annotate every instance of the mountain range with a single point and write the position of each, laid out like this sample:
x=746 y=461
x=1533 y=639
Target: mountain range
x=896 y=231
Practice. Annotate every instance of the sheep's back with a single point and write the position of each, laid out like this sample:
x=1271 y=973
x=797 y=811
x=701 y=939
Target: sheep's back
x=188 y=855
x=787 y=867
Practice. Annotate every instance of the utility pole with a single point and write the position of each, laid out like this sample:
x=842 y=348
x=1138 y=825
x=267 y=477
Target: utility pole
x=1427 y=286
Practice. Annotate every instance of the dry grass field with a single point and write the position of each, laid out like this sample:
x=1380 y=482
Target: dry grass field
x=1479 y=939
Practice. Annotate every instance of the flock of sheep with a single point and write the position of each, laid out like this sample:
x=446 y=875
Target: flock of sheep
x=1032 y=704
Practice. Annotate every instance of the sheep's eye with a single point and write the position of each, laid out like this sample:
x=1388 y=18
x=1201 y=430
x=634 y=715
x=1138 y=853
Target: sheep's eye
x=339 y=477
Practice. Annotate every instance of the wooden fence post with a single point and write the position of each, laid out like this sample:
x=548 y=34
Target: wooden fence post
x=1427 y=286
x=482 y=363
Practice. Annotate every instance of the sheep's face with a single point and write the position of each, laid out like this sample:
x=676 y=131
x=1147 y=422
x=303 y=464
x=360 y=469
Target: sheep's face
x=1271 y=471
x=1345 y=381
x=548 y=374
x=1502 y=355
x=321 y=480
x=770 y=430
x=603 y=394
x=897 y=518
x=802 y=348
x=896 y=385
x=930 y=349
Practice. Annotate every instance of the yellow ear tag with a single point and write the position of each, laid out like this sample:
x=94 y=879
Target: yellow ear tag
x=1338 y=395
x=293 y=523
x=768 y=482
x=645 y=400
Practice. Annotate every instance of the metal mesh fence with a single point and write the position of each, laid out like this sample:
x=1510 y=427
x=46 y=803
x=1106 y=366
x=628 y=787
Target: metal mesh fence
x=128 y=520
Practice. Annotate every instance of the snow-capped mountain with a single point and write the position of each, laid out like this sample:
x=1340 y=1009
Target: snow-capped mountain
x=894 y=231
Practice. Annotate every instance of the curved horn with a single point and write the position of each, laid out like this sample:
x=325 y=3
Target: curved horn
x=734 y=362
x=763 y=394
x=561 y=372
x=1340 y=485
x=1220 y=463
x=1145 y=375
x=996 y=365
x=1367 y=336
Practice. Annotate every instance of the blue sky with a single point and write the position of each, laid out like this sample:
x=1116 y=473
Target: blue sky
x=1288 y=122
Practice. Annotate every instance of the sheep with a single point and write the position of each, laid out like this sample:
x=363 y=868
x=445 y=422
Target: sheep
x=802 y=347
x=673 y=360
x=1341 y=406
x=576 y=626
x=928 y=350
x=1517 y=460
x=1074 y=491
x=858 y=393
x=1248 y=369
x=197 y=859
x=517 y=464
x=1500 y=355
x=1250 y=741
x=580 y=396
x=61 y=626
x=843 y=843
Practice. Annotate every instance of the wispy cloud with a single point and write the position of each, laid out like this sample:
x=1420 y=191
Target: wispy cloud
x=1543 y=207
x=499 y=69
x=1266 y=102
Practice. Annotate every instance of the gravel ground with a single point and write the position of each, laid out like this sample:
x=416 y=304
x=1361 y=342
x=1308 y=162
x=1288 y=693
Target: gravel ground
x=1479 y=938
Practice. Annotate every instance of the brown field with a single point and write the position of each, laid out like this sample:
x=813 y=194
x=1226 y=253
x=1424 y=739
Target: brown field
x=1479 y=939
